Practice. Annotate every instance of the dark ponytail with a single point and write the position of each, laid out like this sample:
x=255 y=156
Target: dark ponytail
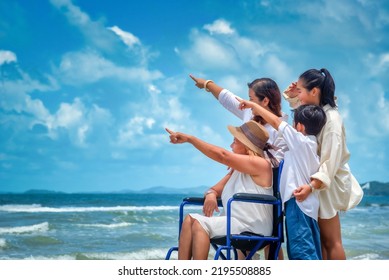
x=323 y=80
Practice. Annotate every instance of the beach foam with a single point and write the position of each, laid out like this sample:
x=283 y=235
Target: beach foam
x=117 y=225
x=370 y=256
x=152 y=254
x=42 y=227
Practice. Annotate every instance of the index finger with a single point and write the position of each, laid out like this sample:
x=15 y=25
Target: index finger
x=168 y=130
x=239 y=99
x=193 y=78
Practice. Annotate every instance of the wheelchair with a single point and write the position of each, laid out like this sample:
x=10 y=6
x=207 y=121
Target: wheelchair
x=246 y=242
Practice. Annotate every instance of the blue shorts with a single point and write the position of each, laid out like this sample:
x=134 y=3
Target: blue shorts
x=302 y=234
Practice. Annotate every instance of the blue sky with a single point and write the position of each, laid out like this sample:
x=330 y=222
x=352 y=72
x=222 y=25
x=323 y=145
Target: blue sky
x=87 y=87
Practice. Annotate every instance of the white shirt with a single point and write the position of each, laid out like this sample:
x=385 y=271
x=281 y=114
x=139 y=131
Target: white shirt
x=300 y=162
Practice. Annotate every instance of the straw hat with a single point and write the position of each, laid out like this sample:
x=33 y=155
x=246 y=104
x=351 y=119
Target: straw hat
x=252 y=134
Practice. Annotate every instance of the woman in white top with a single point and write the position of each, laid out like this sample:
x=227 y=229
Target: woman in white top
x=263 y=91
x=251 y=173
x=340 y=191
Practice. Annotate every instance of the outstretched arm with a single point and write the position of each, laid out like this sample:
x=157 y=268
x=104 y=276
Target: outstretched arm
x=225 y=97
x=243 y=163
x=211 y=86
x=268 y=116
x=214 y=152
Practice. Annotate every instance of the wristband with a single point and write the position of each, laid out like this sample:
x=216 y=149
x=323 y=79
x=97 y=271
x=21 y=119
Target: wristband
x=311 y=187
x=205 y=84
x=208 y=192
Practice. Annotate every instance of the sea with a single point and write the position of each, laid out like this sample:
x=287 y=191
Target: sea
x=140 y=226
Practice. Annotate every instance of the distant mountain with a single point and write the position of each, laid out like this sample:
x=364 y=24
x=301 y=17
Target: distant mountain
x=375 y=188
x=39 y=191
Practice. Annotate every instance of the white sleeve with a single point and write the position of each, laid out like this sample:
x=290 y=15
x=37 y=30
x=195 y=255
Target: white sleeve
x=332 y=151
x=290 y=135
x=228 y=100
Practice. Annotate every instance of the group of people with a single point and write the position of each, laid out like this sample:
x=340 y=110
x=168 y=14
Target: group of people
x=316 y=182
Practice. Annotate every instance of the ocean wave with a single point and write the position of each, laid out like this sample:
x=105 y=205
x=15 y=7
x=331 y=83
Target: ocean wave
x=152 y=254
x=369 y=256
x=3 y=243
x=118 y=225
x=36 y=208
x=19 y=207
x=42 y=227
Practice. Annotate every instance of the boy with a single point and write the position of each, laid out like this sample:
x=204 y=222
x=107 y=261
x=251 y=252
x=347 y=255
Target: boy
x=301 y=202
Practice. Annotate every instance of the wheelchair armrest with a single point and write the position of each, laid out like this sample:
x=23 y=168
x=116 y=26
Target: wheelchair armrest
x=194 y=199
x=200 y=200
x=264 y=198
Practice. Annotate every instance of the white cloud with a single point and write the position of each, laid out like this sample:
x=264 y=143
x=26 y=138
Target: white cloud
x=279 y=69
x=88 y=66
x=348 y=23
x=265 y=3
x=163 y=108
x=74 y=119
x=129 y=39
x=371 y=115
x=219 y=26
x=154 y=89
x=78 y=121
x=249 y=49
x=330 y=10
x=176 y=111
x=93 y=31
x=383 y=62
x=235 y=84
x=15 y=96
x=82 y=133
x=7 y=57
x=74 y=13
x=133 y=131
x=237 y=54
x=69 y=115
x=382 y=114
x=209 y=53
x=378 y=64
x=104 y=39
x=146 y=127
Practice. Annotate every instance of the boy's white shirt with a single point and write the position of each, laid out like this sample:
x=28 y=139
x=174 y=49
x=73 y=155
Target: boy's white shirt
x=301 y=161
